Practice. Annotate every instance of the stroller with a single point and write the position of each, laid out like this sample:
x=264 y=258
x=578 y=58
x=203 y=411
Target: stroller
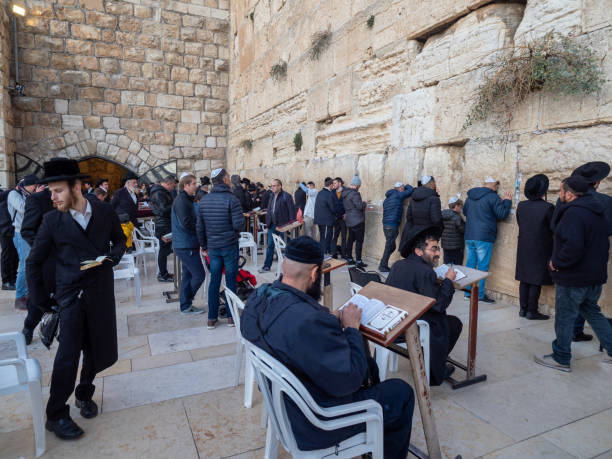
x=245 y=285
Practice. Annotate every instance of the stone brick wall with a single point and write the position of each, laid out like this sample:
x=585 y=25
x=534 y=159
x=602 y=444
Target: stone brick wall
x=6 y=115
x=390 y=101
x=139 y=82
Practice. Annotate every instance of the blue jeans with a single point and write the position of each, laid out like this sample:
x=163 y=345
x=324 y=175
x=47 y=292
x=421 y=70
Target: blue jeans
x=479 y=257
x=23 y=250
x=226 y=257
x=571 y=302
x=579 y=325
x=193 y=275
x=270 y=249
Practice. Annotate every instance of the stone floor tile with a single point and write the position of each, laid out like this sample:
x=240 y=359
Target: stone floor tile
x=191 y=338
x=121 y=366
x=606 y=455
x=133 y=346
x=533 y=448
x=161 y=360
x=160 y=321
x=213 y=351
x=174 y=381
x=13 y=321
x=585 y=438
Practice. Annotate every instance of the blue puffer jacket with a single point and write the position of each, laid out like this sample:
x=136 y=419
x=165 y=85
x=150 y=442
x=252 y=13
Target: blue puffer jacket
x=393 y=206
x=219 y=219
x=183 y=222
x=483 y=207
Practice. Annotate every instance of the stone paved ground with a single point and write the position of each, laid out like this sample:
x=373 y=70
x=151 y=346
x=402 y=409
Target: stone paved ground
x=171 y=395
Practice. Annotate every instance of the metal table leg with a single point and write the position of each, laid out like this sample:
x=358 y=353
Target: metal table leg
x=172 y=296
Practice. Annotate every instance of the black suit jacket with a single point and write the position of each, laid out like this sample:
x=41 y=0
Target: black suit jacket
x=123 y=203
x=36 y=206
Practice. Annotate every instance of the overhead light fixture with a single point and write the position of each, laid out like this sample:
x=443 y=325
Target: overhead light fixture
x=18 y=10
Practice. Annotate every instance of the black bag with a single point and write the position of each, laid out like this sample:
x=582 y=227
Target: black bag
x=49 y=326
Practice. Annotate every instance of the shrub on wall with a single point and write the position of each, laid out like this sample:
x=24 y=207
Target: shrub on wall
x=320 y=42
x=247 y=144
x=278 y=71
x=297 y=141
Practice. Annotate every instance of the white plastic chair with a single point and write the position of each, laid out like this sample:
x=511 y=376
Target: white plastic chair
x=145 y=245
x=279 y=246
x=382 y=354
x=24 y=374
x=262 y=233
x=276 y=381
x=149 y=226
x=236 y=305
x=247 y=241
x=125 y=270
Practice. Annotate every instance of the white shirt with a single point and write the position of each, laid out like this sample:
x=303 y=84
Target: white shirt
x=133 y=195
x=82 y=219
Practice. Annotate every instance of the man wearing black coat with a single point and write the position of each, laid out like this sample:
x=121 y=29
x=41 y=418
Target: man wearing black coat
x=125 y=200
x=161 y=205
x=299 y=197
x=280 y=212
x=240 y=193
x=9 y=260
x=77 y=231
x=425 y=208
x=415 y=274
x=325 y=214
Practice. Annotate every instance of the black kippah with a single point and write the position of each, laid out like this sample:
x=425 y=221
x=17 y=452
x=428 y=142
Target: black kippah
x=305 y=250
x=577 y=183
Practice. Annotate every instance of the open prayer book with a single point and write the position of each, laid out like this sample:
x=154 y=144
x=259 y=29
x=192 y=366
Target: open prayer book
x=443 y=269
x=87 y=264
x=377 y=316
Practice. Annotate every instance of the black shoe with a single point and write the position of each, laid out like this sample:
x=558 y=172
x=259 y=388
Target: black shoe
x=522 y=312
x=360 y=264
x=384 y=269
x=64 y=428
x=486 y=299
x=450 y=369
x=349 y=261
x=582 y=336
x=536 y=316
x=335 y=256
x=21 y=303
x=8 y=286
x=165 y=278
x=89 y=409
x=28 y=335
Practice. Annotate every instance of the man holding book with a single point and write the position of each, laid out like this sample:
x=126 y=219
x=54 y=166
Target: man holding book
x=421 y=251
x=324 y=350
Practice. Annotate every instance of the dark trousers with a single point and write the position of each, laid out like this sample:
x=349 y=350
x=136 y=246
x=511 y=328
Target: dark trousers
x=339 y=231
x=9 y=260
x=579 y=325
x=73 y=338
x=390 y=238
x=193 y=275
x=325 y=237
x=271 y=246
x=165 y=249
x=454 y=256
x=529 y=295
x=227 y=258
x=34 y=316
x=356 y=234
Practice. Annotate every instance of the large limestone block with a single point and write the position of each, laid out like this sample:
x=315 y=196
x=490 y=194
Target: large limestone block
x=490 y=157
x=503 y=259
x=543 y=16
x=445 y=164
x=403 y=165
x=596 y=14
x=414 y=118
x=371 y=170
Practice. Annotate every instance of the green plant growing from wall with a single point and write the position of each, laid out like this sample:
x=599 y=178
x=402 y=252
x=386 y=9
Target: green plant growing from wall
x=278 y=71
x=252 y=16
x=558 y=65
x=319 y=43
x=297 y=141
x=247 y=144
x=370 y=22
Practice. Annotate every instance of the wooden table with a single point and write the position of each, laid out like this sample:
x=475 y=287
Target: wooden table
x=328 y=291
x=416 y=305
x=289 y=227
x=252 y=219
x=473 y=276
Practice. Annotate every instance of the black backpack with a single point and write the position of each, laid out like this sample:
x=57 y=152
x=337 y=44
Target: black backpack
x=6 y=222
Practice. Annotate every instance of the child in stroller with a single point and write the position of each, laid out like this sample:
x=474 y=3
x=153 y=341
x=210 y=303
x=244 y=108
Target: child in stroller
x=245 y=285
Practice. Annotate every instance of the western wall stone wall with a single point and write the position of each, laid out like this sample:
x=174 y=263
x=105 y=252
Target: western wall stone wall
x=390 y=101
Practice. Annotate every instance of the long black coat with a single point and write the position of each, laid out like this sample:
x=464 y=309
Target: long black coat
x=535 y=242
x=415 y=275
x=124 y=204
x=325 y=208
x=424 y=209
x=161 y=205
x=59 y=232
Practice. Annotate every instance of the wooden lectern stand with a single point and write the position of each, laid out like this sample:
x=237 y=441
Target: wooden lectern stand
x=415 y=305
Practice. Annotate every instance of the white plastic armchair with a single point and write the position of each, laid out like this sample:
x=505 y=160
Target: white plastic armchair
x=149 y=226
x=247 y=241
x=236 y=305
x=24 y=374
x=276 y=381
x=126 y=270
x=262 y=233
x=145 y=245
x=279 y=246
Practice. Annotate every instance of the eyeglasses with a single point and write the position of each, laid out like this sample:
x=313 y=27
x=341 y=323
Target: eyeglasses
x=433 y=248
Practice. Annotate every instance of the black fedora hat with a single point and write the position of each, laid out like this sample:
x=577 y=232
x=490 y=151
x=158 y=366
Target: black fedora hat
x=130 y=176
x=593 y=171
x=536 y=186
x=412 y=234
x=60 y=169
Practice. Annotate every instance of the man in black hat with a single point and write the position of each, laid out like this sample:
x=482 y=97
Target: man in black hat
x=125 y=200
x=325 y=351
x=594 y=172
x=579 y=269
x=415 y=273
x=77 y=231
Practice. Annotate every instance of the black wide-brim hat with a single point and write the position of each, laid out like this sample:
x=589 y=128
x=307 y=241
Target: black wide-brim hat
x=60 y=169
x=130 y=176
x=411 y=235
x=536 y=186
x=593 y=171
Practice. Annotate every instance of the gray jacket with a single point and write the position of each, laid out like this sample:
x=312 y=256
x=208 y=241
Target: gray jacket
x=16 y=207
x=354 y=207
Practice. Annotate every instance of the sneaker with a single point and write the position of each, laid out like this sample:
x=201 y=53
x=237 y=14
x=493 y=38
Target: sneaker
x=230 y=322
x=486 y=299
x=536 y=316
x=211 y=324
x=8 y=286
x=21 y=303
x=360 y=264
x=548 y=361
x=384 y=269
x=349 y=261
x=166 y=278
x=192 y=310
x=264 y=269
x=582 y=336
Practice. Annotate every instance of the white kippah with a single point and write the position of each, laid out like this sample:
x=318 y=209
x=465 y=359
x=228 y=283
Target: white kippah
x=215 y=172
x=425 y=179
x=454 y=199
x=398 y=185
x=490 y=180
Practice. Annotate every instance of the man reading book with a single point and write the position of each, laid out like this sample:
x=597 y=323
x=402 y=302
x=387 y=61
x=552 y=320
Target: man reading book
x=421 y=251
x=324 y=350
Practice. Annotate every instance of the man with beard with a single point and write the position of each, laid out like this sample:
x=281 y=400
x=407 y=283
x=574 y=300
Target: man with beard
x=421 y=252
x=324 y=350
x=125 y=200
x=77 y=231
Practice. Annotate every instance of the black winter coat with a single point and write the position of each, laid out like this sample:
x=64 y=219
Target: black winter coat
x=535 y=242
x=300 y=199
x=415 y=275
x=243 y=197
x=72 y=244
x=325 y=208
x=354 y=207
x=219 y=219
x=454 y=230
x=283 y=211
x=161 y=205
x=581 y=245
x=6 y=223
x=425 y=208
x=606 y=202
x=123 y=203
